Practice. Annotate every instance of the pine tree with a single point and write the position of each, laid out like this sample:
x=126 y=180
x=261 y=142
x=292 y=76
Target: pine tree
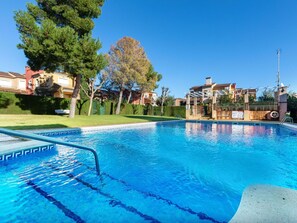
x=57 y=35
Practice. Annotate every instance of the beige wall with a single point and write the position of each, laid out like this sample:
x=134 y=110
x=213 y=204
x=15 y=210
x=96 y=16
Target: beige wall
x=253 y=115
x=258 y=115
x=49 y=79
x=63 y=80
x=15 y=84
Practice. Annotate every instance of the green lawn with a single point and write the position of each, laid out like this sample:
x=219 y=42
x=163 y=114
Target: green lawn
x=55 y=121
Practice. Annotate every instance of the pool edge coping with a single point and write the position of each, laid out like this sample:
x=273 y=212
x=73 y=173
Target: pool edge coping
x=97 y=128
x=266 y=203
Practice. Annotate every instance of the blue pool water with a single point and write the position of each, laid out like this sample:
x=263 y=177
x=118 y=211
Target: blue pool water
x=171 y=172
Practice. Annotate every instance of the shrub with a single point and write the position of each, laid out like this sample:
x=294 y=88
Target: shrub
x=5 y=101
x=292 y=107
x=138 y=109
x=11 y=103
x=27 y=104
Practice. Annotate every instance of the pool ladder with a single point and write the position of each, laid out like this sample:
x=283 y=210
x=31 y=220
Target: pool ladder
x=287 y=119
x=51 y=140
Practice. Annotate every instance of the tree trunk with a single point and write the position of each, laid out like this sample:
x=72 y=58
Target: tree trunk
x=91 y=103
x=80 y=105
x=119 y=103
x=162 y=108
x=74 y=96
x=141 y=97
x=129 y=97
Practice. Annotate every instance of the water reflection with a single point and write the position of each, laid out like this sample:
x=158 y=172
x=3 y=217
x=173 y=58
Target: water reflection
x=228 y=128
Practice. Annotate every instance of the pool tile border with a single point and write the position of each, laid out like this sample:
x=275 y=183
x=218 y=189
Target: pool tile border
x=25 y=152
x=235 y=122
x=290 y=126
x=65 y=131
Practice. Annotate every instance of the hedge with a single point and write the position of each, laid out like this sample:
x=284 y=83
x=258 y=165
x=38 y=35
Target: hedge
x=11 y=103
x=175 y=111
x=292 y=107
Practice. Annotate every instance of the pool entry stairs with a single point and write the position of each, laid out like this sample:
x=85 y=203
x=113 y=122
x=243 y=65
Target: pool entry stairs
x=110 y=195
x=78 y=183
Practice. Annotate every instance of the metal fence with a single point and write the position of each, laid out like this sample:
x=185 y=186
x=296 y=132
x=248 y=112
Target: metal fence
x=254 y=106
x=263 y=106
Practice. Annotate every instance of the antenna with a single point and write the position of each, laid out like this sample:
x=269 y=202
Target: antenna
x=278 y=68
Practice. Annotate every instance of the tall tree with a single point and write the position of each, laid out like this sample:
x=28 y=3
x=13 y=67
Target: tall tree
x=149 y=83
x=128 y=64
x=267 y=95
x=57 y=35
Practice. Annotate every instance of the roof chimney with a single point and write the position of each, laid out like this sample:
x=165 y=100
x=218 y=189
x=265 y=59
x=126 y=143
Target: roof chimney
x=208 y=81
x=27 y=68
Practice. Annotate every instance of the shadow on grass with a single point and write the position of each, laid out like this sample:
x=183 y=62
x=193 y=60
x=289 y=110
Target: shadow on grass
x=29 y=127
x=152 y=118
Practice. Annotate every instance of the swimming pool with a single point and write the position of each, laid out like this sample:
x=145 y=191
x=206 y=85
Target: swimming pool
x=169 y=172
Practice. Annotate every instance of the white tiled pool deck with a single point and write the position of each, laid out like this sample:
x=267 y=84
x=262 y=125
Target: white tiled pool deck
x=267 y=204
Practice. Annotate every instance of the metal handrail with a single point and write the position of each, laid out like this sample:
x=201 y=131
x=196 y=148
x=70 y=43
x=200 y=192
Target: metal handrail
x=51 y=140
x=287 y=118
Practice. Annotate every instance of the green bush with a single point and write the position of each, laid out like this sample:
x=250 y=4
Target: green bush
x=126 y=109
x=179 y=111
x=138 y=109
x=82 y=107
x=108 y=105
x=156 y=111
x=148 y=110
x=292 y=107
x=175 y=111
x=11 y=103
x=5 y=100
x=168 y=111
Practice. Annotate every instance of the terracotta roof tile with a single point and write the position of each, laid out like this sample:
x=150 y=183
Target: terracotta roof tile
x=11 y=75
x=17 y=74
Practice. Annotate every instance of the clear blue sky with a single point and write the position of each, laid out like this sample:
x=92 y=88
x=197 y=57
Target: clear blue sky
x=187 y=40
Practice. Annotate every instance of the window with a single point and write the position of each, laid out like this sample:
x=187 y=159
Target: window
x=5 y=83
x=22 y=84
x=63 y=81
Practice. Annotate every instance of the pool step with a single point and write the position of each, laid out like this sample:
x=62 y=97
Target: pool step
x=109 y=196
x=145 y=201
x=73 y=193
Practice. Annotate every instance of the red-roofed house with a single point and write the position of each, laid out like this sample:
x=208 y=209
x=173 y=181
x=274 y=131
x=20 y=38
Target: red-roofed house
x=205 y=92
x=12 y=82
x=55 y=84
